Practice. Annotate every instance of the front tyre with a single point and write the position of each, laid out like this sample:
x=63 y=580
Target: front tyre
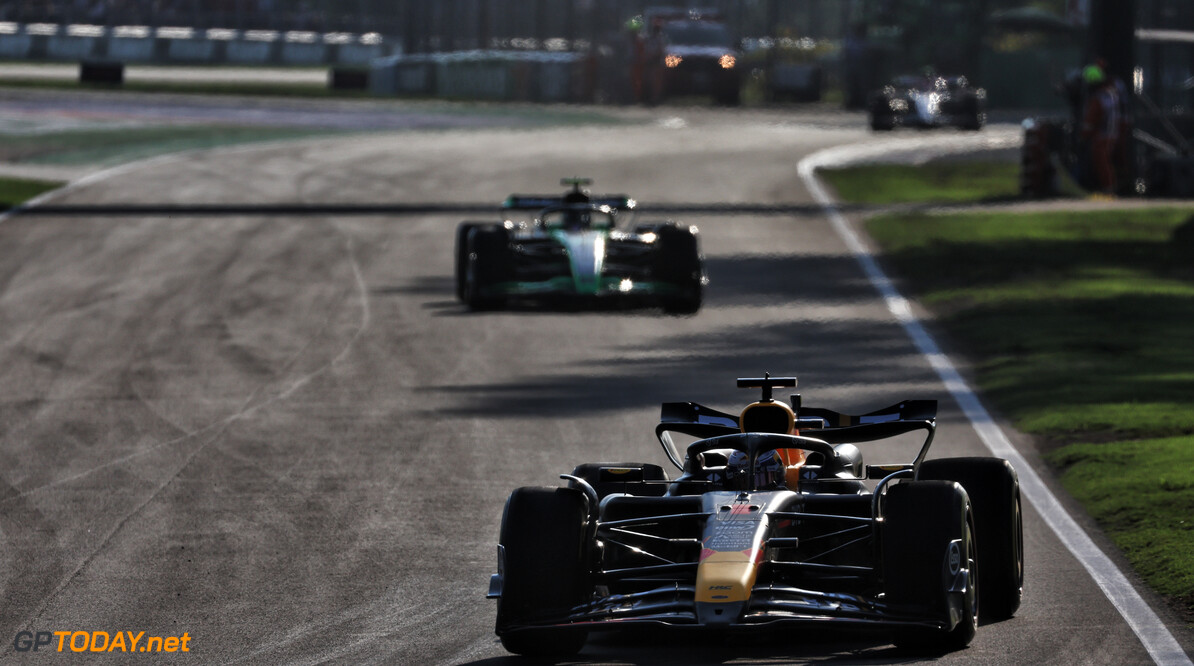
x=880 y=115
x=463 y=231
x=928 y=536
x=544 y=570
x=972 y=116
x=678 y=264
x=728 y=92
x=882 y=122
x=487 y=265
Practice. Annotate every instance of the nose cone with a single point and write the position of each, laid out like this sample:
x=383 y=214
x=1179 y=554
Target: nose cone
x=724 y=582
x=586 y=253
x=718 y=614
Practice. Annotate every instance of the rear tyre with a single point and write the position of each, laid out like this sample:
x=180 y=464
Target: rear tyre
x=922 y=520
x=678 y=263
x=544 y=570
x=994 y=491
x=487 y=265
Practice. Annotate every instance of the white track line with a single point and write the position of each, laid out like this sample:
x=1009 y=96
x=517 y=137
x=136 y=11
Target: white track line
x=1160 y=644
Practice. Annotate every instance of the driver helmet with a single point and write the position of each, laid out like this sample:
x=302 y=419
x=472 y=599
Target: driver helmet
x=576 y=197
x=575 y=219
x=769 y=472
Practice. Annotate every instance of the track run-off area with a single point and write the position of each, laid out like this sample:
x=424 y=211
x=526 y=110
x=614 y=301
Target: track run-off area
x=283 y=437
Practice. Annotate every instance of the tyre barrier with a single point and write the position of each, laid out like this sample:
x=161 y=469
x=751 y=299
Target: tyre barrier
x=348 y=78
x=1038 y=178
x=108 y=73
x=164 y=46
x=485 y=75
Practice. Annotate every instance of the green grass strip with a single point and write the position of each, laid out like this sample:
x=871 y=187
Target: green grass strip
x=1076 y=322
x=15 y=191
x=1142 y=493
x=1078 y=325
x=257 y=88
x=113 y=145
x=945 y=182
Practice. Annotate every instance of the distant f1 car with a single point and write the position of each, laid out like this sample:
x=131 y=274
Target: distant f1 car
x=571 y=248
x=927 y=102
x=773 y=521
x=697 y=55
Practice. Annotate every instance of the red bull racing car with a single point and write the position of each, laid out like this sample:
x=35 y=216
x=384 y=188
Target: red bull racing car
x=572 y=249
x=772 y=521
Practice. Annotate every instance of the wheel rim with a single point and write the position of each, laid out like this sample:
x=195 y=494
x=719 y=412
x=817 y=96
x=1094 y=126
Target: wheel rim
x=1018 y=537
x=972 y=591
x=470 y=279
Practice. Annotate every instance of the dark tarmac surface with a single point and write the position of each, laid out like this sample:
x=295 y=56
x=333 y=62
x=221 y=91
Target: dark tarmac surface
x=316 y=113
x=285 y=438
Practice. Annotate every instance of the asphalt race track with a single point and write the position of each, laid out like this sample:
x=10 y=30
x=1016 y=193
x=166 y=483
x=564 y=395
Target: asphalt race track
x=285 y=438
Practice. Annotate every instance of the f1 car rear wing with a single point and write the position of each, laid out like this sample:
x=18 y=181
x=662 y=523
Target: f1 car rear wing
x=690 y=418
x=540 y=201
x=575 y=196
x=659 y=15
x=908 y=410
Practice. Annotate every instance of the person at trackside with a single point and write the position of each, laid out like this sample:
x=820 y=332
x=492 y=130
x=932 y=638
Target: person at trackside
x=1100 y=127
x=1119 y=154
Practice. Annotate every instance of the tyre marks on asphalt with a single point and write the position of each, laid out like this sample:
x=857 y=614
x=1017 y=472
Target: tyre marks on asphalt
x=17 y=502
x=390 y=628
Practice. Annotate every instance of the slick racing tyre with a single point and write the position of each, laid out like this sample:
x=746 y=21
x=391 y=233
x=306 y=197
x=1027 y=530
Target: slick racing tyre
x=461 y=251
x=881 y=117
x=544 y=570
x=927 y=534
x=728 y=92
x=678 y=263
x=487 y=265
x=994 y=491
x=971 y=115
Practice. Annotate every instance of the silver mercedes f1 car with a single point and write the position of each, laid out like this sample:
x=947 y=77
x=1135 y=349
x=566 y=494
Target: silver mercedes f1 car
x=928 y=101
x=572 y=249
x=772 y=521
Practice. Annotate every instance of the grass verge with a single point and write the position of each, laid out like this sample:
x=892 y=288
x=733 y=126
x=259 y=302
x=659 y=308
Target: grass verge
x=947 y=181
x=256 y=88
x=15 y=191
x=111 y=145
x=1078 y=326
